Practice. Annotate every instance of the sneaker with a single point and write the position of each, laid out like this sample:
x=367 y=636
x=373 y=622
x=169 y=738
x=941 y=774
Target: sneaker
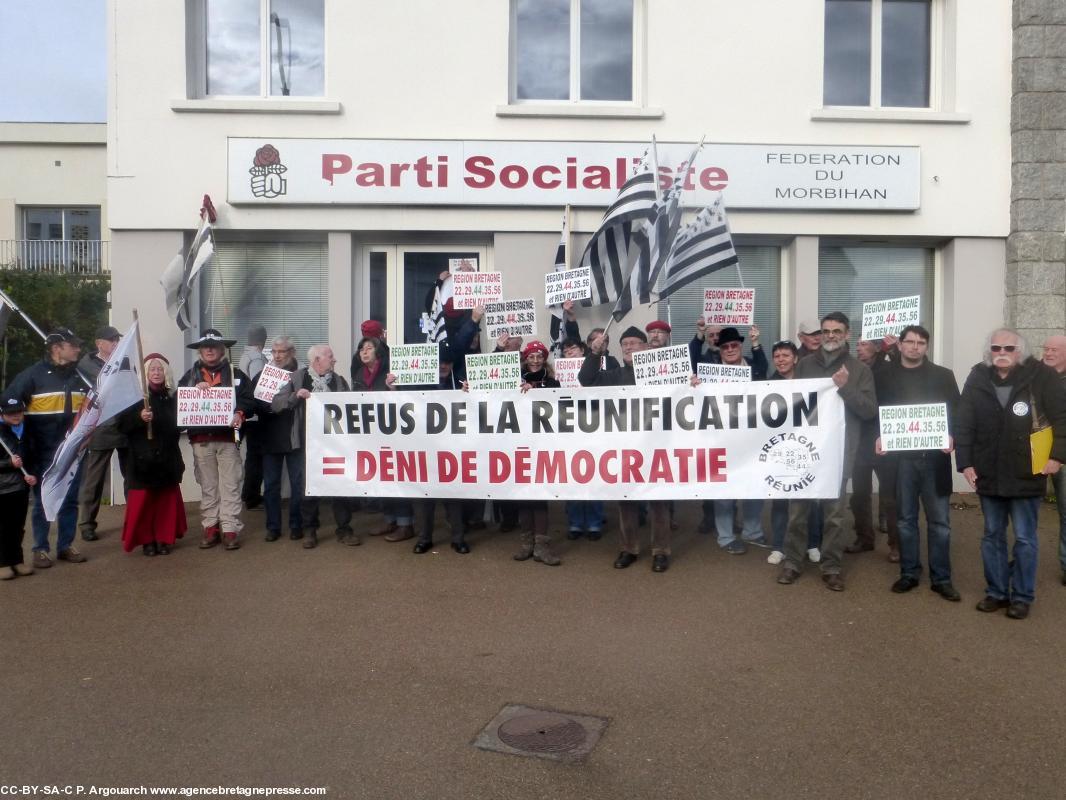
x=814 y=555
x=775 y=557
x=736 y=548
x=72 y=555
x=41 y=560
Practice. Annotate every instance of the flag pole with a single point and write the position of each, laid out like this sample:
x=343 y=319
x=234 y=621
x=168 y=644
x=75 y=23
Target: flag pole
x=12 y=455
x=144 y=377
x=566 y=227
x=655 y=168
x=15 y=307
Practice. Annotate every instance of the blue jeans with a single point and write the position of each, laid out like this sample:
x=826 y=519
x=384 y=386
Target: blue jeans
x=272 y=464
x=66 y=519
x=1013 y=579
x=1058 y=480
x=751 y=512
x=779 y=525
x=585 y=515
x=916 y=481
x=398 y=510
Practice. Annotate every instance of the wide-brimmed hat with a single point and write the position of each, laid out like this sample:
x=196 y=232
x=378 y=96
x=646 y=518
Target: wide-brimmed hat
x=728 y=335
x=211 y=338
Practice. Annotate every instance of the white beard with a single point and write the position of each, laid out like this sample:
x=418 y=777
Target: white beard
x=831 y=346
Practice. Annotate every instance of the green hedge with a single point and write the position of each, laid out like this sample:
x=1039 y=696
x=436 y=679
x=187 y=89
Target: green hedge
x=78 y=302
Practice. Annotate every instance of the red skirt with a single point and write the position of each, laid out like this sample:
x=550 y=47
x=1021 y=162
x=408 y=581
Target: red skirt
x=153 y=515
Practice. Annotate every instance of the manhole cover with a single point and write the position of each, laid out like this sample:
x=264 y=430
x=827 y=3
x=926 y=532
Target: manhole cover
x=541 y=733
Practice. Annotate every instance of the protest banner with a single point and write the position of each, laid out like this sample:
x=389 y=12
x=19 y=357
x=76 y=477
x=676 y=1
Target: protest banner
x=888 y=317
x=513 y=317
x=914 y=427
x=734 y=307
x=415 y=364
x=462 y=265
x=271 y=379
x=723 y=373
x=208 y=408
x=472 y=289
x=494 y=371
x=573 y=284
x=663 y=366
x=767 y=440
x=566 y=370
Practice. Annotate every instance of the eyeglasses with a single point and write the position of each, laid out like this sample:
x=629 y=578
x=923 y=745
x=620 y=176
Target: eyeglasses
x=1006 y=348
x=834 y=332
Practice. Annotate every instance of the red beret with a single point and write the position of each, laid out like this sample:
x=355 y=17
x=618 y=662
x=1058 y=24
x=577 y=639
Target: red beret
x=657 y=325
x=534 y=347
x=372 y=328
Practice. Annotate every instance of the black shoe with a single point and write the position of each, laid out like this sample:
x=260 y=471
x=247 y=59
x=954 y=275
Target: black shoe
x=272 y=536
x=462 y=548
x=253 y=503
x=89 y=536
x=788 y=576
x=423 y=546
x=624 y=560
x=150 y=549
x=574 y=534
x=660 y=562
x=594 y=536
x=947 y=591
x=1018 y=610
x=905 y=584
x=299 y=534
x=990 y=604
x=162 y=548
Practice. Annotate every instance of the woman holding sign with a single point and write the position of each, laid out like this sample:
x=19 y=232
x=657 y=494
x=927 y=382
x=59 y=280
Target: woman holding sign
x=155 y=511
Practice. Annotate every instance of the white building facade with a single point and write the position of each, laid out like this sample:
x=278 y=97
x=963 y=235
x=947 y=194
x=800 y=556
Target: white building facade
x=862 y=150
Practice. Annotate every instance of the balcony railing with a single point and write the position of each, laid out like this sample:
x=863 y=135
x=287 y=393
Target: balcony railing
x=72 y=256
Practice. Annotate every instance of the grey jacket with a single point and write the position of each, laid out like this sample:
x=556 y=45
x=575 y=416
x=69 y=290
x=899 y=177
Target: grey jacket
x=286 y=399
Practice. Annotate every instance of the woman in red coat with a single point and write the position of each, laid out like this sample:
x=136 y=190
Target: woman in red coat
x=155 y=512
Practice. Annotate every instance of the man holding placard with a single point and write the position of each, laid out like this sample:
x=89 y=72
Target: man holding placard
x=1009 y=399
x=281 y=442
x=910 y=392
x=216 y=459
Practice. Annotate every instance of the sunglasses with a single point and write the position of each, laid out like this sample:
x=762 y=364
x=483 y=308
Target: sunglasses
x=1006 y=348
x=782 y=343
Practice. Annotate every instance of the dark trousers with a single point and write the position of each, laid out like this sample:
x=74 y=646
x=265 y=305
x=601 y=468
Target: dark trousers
x=342 y=513
x=272 y=464
x=453 y=511
x=13 y=507
x=94 y=468
x=862 y=498
x=629 y=526
x=252 y=489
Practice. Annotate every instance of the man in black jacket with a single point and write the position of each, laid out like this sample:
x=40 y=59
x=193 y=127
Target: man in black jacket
x=216 y=457
x=1007 y=397
x=920 y=475
x=281 y=448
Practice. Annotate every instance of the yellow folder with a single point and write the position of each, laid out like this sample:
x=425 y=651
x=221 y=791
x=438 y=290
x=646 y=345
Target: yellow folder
x=1040 y=444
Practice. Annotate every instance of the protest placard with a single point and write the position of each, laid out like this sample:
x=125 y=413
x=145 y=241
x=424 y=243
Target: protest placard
x=270 y=380
x=734 y=307
x=888 y=317
x=208 y=408
x=566 y=370
x=513 y=317
x=471 y=289
x=574 y=284
x=415 y=364
x=462 y=265
x=763 y=440
x=663 y=366
x=914 y=427
x=723 y=373
x=492 y=371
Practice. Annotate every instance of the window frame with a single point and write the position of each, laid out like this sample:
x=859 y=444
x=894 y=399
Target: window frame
x=941 y=72
x=637 y=67
x=196 y=54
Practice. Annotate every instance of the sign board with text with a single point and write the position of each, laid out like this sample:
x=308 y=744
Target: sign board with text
x=210 y=408
x=888 y=317
x=723 y=373
x=566 y=370
x=914 y=427
x=663 y=366
x=472 y=289
x=513 y=317
x=494 y=371
x=271 y=379
x=573 y=284
x=415 y=364
x=734 y=307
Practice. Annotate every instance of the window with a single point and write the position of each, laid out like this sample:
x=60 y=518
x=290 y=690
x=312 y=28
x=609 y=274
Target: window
x=878 y=53
x=261 y=48
x=282 y=285
x=54 y=224
x=572 y=50
x=761 y=270
x=851 y=276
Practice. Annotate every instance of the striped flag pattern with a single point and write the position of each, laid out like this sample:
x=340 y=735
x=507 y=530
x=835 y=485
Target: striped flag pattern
x=437 y=332
x=556 y=329
x=702 y=247
x=180 y=275
x=608 y=252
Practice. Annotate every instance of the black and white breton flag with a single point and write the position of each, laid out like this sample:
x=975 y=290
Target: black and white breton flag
x=557 y=326
x=608 y=252
x=435 y=328
x=702 y=247
x=180 y=275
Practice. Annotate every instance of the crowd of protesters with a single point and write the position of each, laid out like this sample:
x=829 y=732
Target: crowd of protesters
x=1007 y=398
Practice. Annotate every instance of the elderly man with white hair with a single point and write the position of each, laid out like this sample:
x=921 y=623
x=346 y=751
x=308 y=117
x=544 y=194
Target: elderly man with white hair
x=1055 y=357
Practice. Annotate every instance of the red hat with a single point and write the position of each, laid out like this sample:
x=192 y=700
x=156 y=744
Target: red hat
x=657 y=325
x=534 y=347
x=372 y=328
x=160 y=356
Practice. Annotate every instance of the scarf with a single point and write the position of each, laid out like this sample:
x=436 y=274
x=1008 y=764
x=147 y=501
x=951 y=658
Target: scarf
x=370 y=374
x=320 y=383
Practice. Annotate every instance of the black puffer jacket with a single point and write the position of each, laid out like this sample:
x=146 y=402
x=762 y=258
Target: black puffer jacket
x=53 y=395
x=153 y=463
x=994 y=440
x=11 y=479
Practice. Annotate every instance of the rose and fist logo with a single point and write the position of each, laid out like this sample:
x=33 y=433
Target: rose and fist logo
x=267 y=171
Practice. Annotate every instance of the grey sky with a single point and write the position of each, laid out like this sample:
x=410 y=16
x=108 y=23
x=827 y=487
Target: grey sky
x=53 y=59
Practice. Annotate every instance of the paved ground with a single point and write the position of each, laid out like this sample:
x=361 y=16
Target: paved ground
x=370 y=671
